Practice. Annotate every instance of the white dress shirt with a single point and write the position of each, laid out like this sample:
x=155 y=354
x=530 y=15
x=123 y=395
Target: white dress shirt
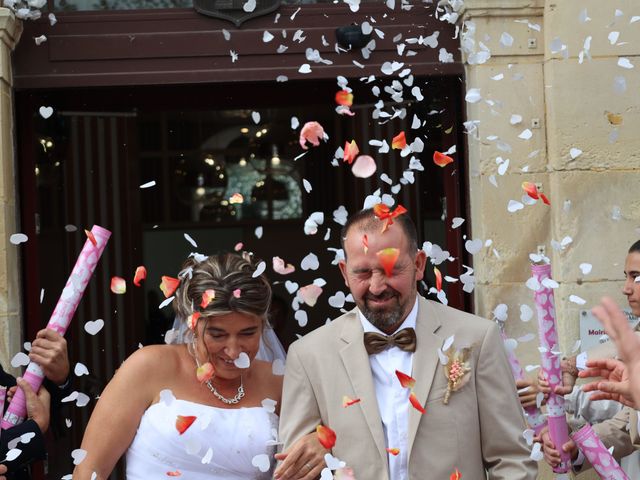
x=393 y=399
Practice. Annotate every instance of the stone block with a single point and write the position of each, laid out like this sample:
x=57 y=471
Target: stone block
x=491 y=28
x=564 y=20
x=514 y=235
x=580 y=100
x=599 y=236
x=7 y=175
x=519 y=93
x=10 y=340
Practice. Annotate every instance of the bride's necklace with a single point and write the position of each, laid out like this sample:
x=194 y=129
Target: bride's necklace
x=229 y=401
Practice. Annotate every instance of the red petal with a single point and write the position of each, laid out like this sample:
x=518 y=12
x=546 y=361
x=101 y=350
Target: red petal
x=365 y=243
x=183 y=423
x=192 y=321
x=399 y=141
x=351 y=151
x=348 y=401
x=207 y=297
x=91 y=237
x=118 y=285
x=205 y=372
x=175 y=473
x=530 y=189
x=326 y=436
x=545 y=199
x=169 y=285
x=398 y=211
x=393 y=451
x=381 y=210
x=405 y=380
x=455 y=475
x=441 y=159
x=438 y=278
x=344 y=98
x=388 y=258
x=416 y=404
x=140 y=275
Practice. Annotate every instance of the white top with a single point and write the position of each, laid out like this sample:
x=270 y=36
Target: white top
x=221 y=444
x=393 y=399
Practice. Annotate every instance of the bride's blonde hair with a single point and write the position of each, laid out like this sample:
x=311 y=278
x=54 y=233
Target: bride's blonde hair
x=225 y=274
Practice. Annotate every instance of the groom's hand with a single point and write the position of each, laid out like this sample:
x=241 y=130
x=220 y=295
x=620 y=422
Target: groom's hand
x=303 y=461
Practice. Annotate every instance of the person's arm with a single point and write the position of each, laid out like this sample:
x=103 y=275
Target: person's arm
x=504 y=451
x=37 y=424
x=298 y=422
x=117 y=414
x=615 y=383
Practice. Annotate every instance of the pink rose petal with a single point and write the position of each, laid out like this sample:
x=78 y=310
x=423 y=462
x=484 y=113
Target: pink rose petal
x=309 y=294
x=364 y=166
x=279 y=266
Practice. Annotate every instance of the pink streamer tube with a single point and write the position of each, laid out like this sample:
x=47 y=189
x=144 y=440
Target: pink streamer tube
x=61 y=318
x=598 y=455
x=548 y=335
x=535 y=418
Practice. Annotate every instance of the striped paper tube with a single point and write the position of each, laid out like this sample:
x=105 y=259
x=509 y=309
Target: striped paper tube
x=61 y=318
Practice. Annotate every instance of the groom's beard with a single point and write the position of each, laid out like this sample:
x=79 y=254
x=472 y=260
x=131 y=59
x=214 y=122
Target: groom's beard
x=383 y=317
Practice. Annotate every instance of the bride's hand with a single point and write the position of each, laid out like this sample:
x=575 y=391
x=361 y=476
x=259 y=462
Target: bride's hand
x=303 y=461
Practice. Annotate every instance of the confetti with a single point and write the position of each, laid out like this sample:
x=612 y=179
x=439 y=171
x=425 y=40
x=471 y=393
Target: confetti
x=184 y=422
x=399 y=141
x=192 y=320
x=312 y=132
x=393 y=451
x=309 y=294
x=438 y=278
x=45 y=112
x=326 y=436
x=455 y=475
x=118 y=285
x=415 y=403
x=388 y=258
x=139 y=276
x=351 y=151
x=348 y=401
x=441 y=160
x=169 y=285
x=207 y=297
x=236 y=293
x=150 y=184
x=344 y=98
x=93 y=327
x=405 y=380
x=364 y=167
x=279 y=266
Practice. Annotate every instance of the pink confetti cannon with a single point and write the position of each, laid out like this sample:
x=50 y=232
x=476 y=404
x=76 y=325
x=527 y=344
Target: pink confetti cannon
x=548 y=334
x=61 y=317
x=598 y=455
x=535 y=418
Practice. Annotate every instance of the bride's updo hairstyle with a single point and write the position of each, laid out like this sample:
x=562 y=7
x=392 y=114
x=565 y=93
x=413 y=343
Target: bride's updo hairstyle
x=231 y=276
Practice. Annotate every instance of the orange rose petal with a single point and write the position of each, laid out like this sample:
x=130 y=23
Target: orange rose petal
x=192 y=321
x=456 y=475
x=139 y=276
x=91 y=237
x=169 y=285
x=348 y=401
x=399 y=141
x=183 y=423
x=365 y=243
x=545 y=199
x=207 y=297
x=236 y=198
x=326 y=436
x=441 y=160
x=393 y=451
x=205 y=372
x=531 y=189
x=381 y=210
x=388 y=258
x=416 y=404
x=344 y=98
x=438 y=278
x=118 y=285
x=351 y=151
x=175 y=473
x=405 y=380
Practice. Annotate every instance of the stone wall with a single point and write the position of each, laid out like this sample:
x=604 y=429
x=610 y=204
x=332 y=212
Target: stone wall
x=10 y=322
x=571 y=102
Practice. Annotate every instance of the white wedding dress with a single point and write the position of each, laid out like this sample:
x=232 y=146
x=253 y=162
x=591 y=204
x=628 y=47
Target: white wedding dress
x=221 y=444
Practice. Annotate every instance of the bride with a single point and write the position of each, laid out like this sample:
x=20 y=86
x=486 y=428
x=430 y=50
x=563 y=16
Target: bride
x=205 y=409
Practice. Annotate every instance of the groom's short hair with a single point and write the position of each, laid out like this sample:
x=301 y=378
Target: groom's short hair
x=368 y=221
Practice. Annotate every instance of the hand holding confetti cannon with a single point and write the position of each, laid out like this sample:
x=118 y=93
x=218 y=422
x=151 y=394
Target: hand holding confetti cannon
x=550 y=359
x=62 y=315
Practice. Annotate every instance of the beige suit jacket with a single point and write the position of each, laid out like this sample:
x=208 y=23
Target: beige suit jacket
x=479 y=431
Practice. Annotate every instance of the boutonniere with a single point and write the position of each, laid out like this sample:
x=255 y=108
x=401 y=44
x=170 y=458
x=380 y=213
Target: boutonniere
x=456 y=370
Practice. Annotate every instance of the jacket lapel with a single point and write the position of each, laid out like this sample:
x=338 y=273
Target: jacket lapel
x=356 y=363
x=425 y=362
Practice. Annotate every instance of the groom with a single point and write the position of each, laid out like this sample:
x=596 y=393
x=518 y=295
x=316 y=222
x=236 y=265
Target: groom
x=473 y=426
